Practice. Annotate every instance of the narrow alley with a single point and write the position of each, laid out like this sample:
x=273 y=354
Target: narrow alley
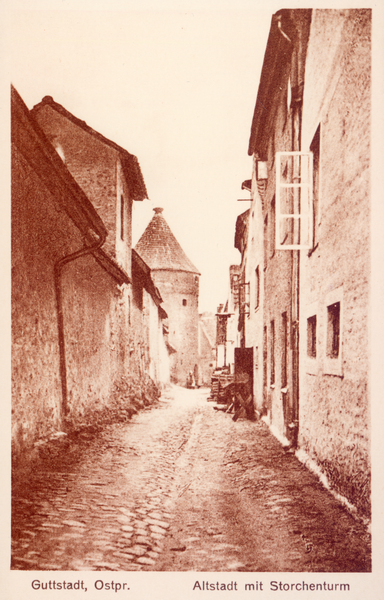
x=180 y=487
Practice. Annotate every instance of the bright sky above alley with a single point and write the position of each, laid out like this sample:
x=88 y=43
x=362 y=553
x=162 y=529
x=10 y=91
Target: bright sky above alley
x=174 y=83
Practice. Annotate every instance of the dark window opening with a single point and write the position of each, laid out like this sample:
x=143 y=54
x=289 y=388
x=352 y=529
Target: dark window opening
x=272 y=352
x=266 y=242
x=333 y=330
x=315 y=149
x=184 y=302
x=284 y=323
x=311 y=336
x=272 y=234
x=265 y=356
x=257 y=287
x=122 y=217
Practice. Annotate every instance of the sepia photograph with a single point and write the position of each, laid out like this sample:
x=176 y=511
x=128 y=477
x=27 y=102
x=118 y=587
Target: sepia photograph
x=191 y=371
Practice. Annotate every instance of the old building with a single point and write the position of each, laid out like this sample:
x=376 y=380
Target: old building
x=305 y=259
x=54 y=226
x=149 y=332
x=228 y=323
x=73 y=345
x=206 y=348
x=178 y=282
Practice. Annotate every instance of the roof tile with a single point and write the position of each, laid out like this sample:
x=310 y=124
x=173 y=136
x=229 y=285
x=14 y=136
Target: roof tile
x=159 y=248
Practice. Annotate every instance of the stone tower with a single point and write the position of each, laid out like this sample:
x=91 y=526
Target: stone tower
x=178 y=282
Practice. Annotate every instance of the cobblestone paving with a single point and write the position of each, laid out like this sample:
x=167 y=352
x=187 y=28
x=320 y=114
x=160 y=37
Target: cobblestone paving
x=247 y=505
x=111 y=510
x=181 y=487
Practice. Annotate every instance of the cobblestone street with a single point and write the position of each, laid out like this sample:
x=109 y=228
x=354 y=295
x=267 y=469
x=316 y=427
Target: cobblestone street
x=180 y=487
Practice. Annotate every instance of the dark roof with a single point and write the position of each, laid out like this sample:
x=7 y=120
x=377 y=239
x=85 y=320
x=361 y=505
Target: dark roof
x=129 y=162
x=141 y=271
x=43 y=158
x=241 y=225
x=160 y=249
x=111 y=266
x=247 y=185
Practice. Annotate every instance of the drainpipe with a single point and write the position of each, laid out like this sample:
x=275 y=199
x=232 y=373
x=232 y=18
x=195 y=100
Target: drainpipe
x=60 y=316
x=295 y=307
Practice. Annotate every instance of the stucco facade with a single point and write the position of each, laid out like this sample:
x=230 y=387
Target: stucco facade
x=335 y=274
x=308 y=237
x=74 y=355
x=180 y=292
x=52 y=219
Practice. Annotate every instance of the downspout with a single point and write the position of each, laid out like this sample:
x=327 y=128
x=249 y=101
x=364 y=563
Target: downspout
x=60 y=315
x=294 y=425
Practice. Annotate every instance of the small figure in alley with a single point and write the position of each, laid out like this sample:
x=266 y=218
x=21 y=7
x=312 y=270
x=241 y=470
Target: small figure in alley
x=243 y=401
x=190 y=380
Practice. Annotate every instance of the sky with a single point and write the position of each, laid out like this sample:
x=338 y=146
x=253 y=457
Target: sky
x=175 y=85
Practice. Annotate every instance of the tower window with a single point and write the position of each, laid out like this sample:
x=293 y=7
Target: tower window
x=184 y=302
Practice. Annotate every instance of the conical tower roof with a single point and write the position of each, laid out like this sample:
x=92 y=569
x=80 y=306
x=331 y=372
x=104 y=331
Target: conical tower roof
x=159 y=248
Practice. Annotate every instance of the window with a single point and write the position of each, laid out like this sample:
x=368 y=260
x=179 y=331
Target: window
x=333 y=330
x=244 y=298
x=293 y=200
x=284 y=343
x=272 y=233
x=315 y=149
x=122 y=211
x=266 y=232
x=256 y=357
x=333 y=343
x=184 y=302
x=261 y=170
x=311 y=336
x=221 y=329
x=265 y=356
x=257 y=287
x=272 y=352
